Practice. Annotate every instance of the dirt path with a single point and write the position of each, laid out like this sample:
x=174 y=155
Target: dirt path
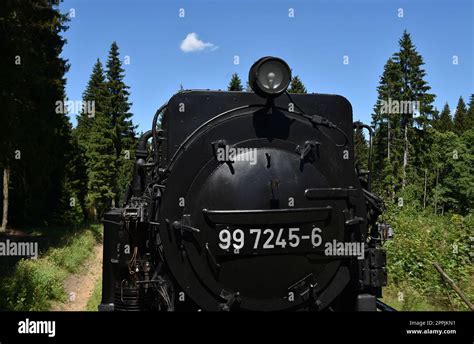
x=79 y=287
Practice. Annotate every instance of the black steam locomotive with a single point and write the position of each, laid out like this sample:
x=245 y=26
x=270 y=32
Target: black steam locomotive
x=246 y=201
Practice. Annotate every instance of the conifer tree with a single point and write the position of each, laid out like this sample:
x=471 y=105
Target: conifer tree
x=461 y=117
x=403 y=131
x=123 y=129
x=296 y=85
x=361 y=149
x=444 y=121
x=72 y=208
x=415 y=90
x=96 y=94
x=470 y=113
x=387 y=136
x=101 y=164
x=94 y=133
x=235 y=84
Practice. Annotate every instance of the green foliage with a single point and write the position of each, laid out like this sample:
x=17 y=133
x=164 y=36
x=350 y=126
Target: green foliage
x=444 y=122
x=461 y=120
x=414 y=86
x=422 y=238
x=470 y=114
x=400 y=131
x=96 y=91
x=33 y=286
x=425 y=162
x=71 y=209
x=123 y=129
x=77 y=250
x=36 y=283
x=387 y=152
x=235 y=84
x=296 y=85
x=95 y=299
x=34 y=133
x=450 y=184
x=107 y=138
x=94 y=133
x=361 y=149
x=403 y=297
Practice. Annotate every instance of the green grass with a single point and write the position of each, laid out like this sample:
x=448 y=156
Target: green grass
x=76 y=251
x=34 y=284
x=95 y=299
x=422 y=238
x=409 y=299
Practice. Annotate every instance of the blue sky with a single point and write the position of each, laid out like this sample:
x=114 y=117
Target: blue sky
x=313 y=42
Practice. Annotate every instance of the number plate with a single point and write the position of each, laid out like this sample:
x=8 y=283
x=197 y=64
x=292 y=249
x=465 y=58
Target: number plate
x=269 y=240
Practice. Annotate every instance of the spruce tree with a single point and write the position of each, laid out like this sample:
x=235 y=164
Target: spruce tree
x=461 y=117
x=72 y=208
x=34 y=135
x=387 y=137
x=414 y=89
x=95 y=92
x=401 y=135
x=123 y=129
x=444 y=122
x=101 y=164
x=94 y=133
x=361 y=149
x=470 y=113
x=296 y=86
x=235 y=84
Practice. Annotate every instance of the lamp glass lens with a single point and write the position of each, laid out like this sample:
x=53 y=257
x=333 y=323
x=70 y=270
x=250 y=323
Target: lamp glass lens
x=271 y=76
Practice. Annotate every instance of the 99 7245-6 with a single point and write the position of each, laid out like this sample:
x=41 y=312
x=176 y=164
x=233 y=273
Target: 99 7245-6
x=247 y=240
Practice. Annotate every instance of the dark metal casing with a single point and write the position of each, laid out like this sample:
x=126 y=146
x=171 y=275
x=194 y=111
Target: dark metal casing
x=302 y=177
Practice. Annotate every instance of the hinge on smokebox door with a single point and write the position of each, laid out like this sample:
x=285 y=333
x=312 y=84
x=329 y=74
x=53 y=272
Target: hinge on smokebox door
x=306 y=149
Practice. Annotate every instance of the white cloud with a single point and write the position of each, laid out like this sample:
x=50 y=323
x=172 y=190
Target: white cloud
x=192 y=43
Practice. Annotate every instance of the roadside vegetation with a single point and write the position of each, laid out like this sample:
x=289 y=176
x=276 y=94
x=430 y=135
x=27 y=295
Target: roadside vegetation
x=94 y=301
x=420 y=239
x=33 y=285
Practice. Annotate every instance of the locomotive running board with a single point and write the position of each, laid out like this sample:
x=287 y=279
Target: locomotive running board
x=268 y=216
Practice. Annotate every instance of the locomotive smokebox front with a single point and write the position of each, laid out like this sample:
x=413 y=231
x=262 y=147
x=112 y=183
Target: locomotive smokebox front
x=248 y=207
x=242 y=203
